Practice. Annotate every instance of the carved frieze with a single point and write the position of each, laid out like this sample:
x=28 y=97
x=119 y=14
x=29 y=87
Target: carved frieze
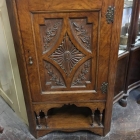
x=67 y=55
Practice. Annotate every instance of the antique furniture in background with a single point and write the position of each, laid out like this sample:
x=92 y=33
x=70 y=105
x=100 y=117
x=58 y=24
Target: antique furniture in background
x=67 y=56
x=128 y=75
x=138 y=100
x=1 y=129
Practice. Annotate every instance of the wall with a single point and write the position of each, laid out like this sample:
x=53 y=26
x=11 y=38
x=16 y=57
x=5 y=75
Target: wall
x=10 y=83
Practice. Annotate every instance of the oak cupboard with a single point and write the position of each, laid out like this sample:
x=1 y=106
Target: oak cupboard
x=67 y=56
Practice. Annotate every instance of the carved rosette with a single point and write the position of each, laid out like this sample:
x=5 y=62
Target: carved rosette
x=67 y=55
x=82 y=75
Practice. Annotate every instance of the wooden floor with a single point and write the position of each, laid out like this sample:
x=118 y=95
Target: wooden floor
x=125 y=124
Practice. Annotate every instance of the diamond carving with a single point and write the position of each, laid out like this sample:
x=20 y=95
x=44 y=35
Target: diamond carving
x=67 y=55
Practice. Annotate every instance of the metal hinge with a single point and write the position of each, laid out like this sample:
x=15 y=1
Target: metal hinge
x=104 y=87
x=110 y=14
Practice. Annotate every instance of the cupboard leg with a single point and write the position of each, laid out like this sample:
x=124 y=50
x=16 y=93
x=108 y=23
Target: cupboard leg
x=38 y=118
x=123 y=102
x=138 y=100
x=46 y=119
x=101 y=117
x=1 y=129
x=93 y=118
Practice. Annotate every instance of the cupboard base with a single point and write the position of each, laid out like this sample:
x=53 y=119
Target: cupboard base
x=98 y=131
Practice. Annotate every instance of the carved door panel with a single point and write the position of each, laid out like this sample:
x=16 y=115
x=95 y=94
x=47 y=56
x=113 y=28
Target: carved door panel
x=68 y=48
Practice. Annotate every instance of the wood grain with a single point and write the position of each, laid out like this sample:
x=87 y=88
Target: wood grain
x=66 y=35
x=113 y=62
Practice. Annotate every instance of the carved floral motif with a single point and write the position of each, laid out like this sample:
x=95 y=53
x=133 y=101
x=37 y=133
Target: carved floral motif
x=67 y=55
x=50 y=34
x=82 y=34
x=82 y=76
x=57 y=80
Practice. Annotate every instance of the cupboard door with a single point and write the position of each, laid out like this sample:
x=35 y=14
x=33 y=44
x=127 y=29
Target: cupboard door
x=67 y=46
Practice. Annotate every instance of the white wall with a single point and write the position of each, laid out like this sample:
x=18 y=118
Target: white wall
x=10 y=82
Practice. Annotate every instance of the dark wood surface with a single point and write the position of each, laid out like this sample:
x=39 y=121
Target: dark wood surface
x=120 y=76
x=134 y=57
x=67 y=56
x=133 y=75
x=132 y=69
x=120 y=82
x=134 y=66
